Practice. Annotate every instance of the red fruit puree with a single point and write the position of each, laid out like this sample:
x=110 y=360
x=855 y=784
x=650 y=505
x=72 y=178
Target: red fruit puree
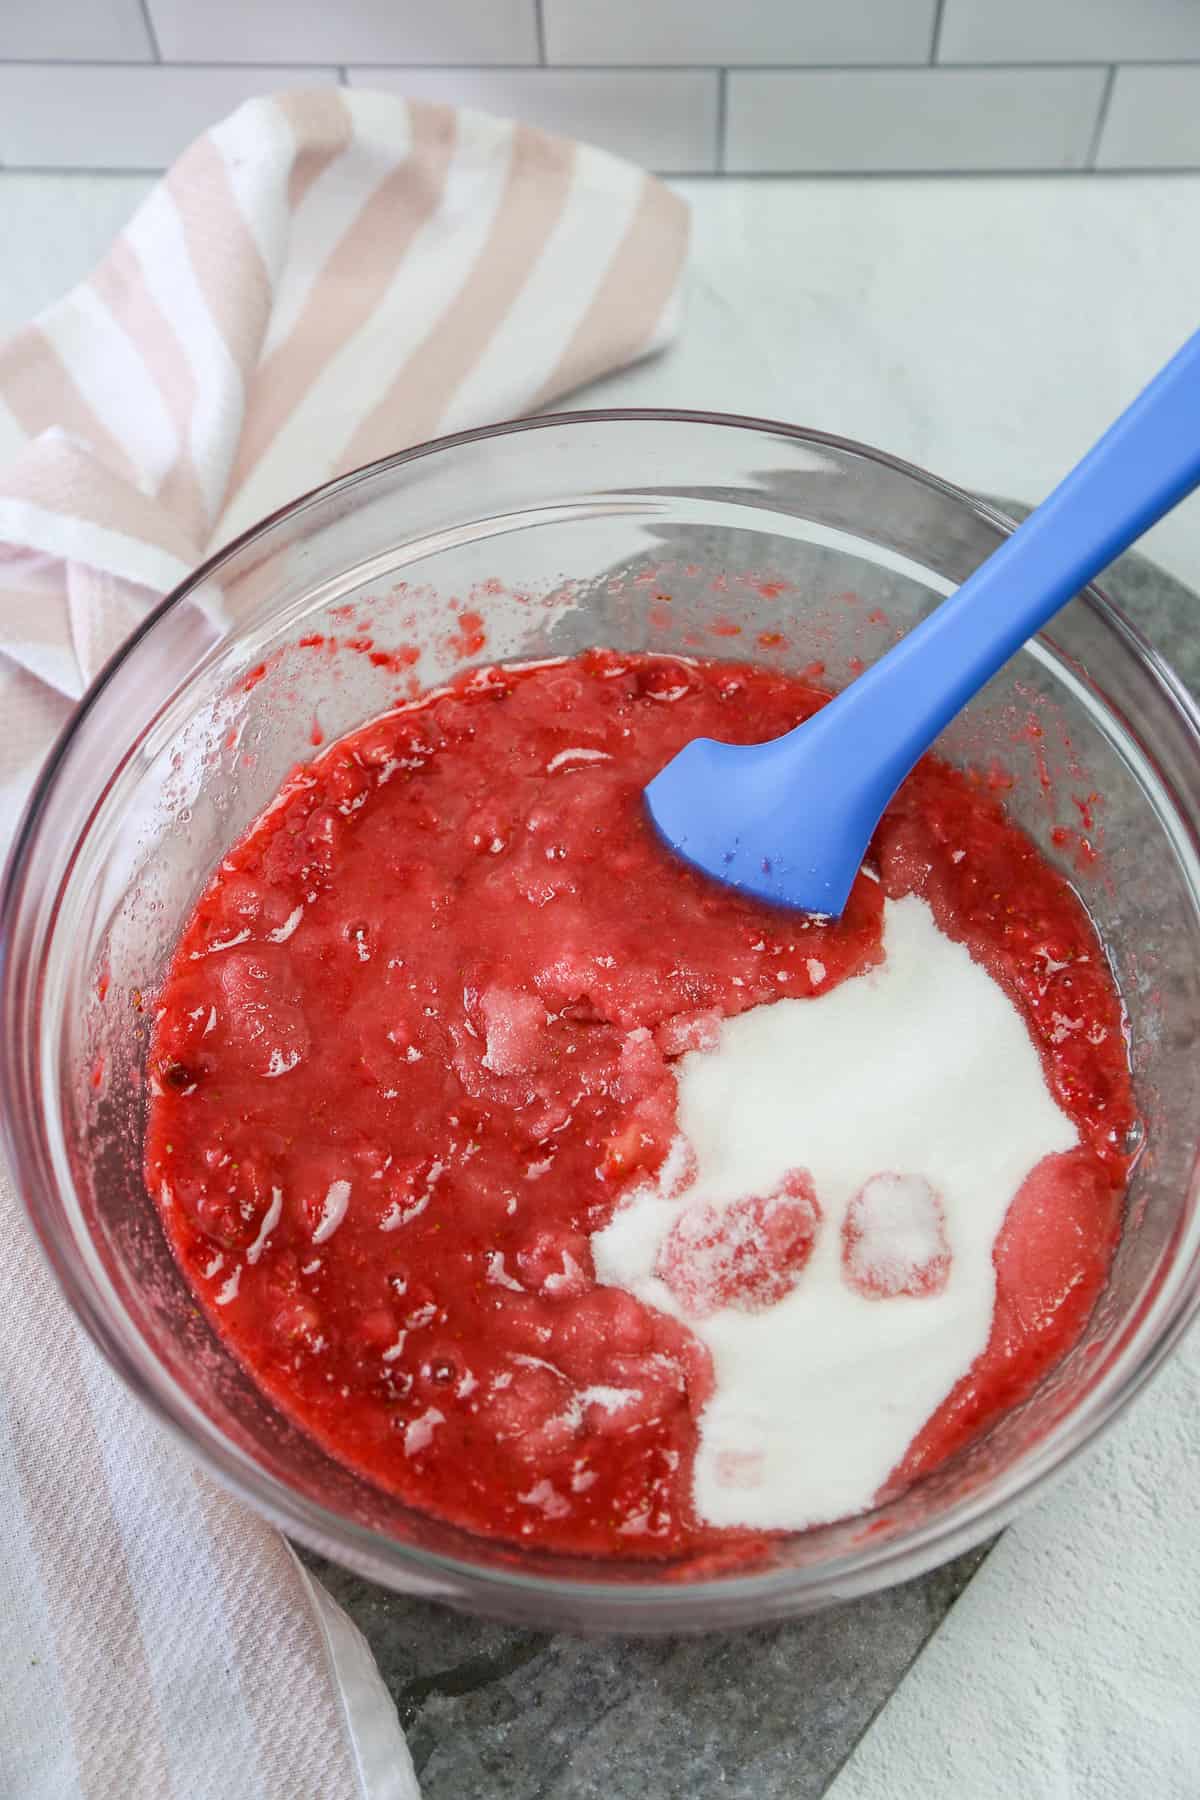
x=417 y=1039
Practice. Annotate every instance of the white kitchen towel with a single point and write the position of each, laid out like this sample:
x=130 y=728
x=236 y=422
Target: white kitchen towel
x=321 y=279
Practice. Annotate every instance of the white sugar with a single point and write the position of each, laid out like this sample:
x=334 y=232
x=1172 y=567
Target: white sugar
x=921 y=1067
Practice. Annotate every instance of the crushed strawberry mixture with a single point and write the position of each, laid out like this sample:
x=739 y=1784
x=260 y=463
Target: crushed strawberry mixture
x=749 y=1255
x=417 y=1040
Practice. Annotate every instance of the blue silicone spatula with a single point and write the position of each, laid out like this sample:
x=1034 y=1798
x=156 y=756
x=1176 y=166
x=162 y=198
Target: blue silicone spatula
x=790 y=820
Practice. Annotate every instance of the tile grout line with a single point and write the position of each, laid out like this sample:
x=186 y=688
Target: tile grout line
x=1102 y=116
x=1142 y=171
x=935 y=40
x=148 y=22
x=539 y=22
x=597 y=68
x=722 y=123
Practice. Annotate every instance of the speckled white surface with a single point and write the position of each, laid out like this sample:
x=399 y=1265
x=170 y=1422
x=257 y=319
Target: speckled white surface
x=987 y=329
x=1067 y=1670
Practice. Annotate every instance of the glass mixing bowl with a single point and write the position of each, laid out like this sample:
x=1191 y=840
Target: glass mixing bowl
x=665 y=531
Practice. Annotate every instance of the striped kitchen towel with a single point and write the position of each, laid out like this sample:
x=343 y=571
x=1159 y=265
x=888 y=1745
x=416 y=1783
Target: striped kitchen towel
x=323 y=278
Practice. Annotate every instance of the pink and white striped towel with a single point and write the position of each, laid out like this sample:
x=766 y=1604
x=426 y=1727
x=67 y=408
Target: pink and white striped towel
x=323 y=278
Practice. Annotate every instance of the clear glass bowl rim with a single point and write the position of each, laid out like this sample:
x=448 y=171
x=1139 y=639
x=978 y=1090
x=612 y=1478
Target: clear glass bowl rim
x=875 y=1564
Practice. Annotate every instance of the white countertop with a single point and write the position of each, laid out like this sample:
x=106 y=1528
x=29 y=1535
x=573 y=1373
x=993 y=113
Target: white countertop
x=987 y=328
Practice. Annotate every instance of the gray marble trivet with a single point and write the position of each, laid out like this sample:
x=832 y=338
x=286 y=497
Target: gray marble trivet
x=509 y=1714
x=494 y=1712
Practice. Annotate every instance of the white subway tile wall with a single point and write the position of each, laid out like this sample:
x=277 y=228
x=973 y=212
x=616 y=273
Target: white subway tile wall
x=342 y=31
x=75 y=30
x=54 y=116
x=1152 y=118
x=750 y=31
x=916 y=120
x=662 y=118
x=683 y=86
x=1007 y=31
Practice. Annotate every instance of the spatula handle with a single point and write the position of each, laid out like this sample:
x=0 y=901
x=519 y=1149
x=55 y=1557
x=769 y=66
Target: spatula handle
x=1143 y=465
